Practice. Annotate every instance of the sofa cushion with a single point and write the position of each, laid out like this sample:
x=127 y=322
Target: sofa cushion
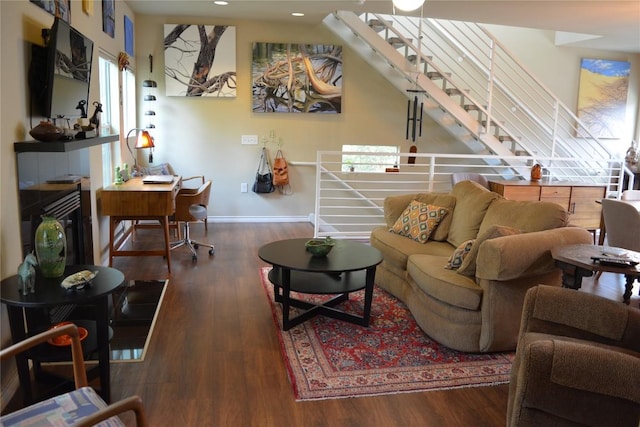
x=396 y=249
x=418 y=221
x=525 y=216
x=458 y=256
x=395 y=205
x=444 y=285
x=472 y=201
x=469 y=264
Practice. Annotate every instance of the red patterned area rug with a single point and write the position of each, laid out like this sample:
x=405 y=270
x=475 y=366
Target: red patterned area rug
x=329 y=359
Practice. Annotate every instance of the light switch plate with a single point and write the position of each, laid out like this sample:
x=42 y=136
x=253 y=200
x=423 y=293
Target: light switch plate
x=249 y=139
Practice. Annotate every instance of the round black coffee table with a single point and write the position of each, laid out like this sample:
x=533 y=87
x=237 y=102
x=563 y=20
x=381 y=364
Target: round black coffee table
x=349 y=267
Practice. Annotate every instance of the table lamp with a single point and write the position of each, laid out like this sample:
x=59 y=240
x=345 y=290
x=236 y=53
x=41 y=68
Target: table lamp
x=144 y=140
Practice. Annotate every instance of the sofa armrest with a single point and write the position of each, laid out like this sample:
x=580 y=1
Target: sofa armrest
x=524 y=255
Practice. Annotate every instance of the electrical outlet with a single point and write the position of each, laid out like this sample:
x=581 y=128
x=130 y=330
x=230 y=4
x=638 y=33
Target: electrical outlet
x=249 y=139
x=243 y=187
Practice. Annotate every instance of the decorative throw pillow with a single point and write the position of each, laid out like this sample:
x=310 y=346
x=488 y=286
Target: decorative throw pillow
x=418 y=221
x=461 y=252
x=468 y=266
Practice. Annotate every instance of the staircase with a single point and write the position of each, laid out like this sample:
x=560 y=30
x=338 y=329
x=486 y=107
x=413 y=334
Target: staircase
x=475 y=88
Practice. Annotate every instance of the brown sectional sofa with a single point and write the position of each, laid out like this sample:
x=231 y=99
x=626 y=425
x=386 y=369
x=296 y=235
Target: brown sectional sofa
x=478 y=311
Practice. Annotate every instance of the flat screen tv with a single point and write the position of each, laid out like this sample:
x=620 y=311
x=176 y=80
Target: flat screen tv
x=61 y=73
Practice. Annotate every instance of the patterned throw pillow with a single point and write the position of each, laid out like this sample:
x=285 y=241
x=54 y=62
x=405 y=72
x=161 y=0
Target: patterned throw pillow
x=461 y=252
x=468 y=267
x=418 y=221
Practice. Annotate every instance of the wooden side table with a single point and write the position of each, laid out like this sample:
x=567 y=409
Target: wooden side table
x=23 y=309
x=576 y=263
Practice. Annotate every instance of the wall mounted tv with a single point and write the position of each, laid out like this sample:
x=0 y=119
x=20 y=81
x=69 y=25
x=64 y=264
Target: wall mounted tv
x=60 y=72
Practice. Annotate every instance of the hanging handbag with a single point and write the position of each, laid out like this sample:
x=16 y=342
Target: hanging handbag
x=280 y=170
x=264 y=177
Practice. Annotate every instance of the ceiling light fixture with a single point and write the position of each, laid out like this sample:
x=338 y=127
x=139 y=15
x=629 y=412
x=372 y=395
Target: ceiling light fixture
x=221 y=3
x=297 y=14
x=407 y=5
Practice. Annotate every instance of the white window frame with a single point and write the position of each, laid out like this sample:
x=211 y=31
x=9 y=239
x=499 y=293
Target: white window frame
x=355 y=158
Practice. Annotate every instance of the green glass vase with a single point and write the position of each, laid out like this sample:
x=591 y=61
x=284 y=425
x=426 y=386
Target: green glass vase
x=51 y=247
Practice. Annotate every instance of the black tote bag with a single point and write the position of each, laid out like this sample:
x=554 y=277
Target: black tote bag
x=264 y=175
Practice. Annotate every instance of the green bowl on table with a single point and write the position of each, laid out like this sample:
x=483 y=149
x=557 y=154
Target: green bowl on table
x=320 y=247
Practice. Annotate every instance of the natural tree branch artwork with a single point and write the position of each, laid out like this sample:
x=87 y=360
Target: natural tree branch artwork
x=602 y=97
x=200 y=60
x=297 y=78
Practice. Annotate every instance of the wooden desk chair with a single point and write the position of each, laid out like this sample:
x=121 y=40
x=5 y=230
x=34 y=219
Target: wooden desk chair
x=191 y=206
x=79 y=408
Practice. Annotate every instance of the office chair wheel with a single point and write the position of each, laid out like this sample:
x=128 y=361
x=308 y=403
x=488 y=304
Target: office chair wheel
x=194 y=258
x=196 y=246
x=211 y=251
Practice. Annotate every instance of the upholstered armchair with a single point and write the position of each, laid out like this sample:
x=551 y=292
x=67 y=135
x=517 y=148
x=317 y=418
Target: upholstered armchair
x=577 y=361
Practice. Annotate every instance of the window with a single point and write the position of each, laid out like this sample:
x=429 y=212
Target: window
x=111 y=99
x=357 y=160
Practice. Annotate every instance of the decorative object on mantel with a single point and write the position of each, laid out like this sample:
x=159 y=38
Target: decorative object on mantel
x=144 y=140
x=46 y=132
x=536 y=172
x=27 y=274
x=95 y=117
x=51 y=247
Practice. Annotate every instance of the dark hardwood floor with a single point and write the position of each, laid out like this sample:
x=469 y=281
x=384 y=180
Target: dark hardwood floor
x=214 y=359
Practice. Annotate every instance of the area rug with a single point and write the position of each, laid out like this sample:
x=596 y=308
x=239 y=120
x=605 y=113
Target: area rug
x=133 y=319
x=328 y=358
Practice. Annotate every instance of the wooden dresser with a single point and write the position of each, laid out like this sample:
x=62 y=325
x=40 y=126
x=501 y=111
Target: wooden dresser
x=581 y=200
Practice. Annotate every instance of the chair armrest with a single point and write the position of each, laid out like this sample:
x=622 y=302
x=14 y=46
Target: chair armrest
x=526 y=254
x=79 y=373
x=133 y=403
x=198 y=177
x=575 y=314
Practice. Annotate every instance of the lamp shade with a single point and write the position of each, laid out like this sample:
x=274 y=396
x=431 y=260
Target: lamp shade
x=407 y=5
x=149 y=83
x=144 y=140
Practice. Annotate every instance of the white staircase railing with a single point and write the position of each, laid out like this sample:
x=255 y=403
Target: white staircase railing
x=350 y=204
x=508 y=109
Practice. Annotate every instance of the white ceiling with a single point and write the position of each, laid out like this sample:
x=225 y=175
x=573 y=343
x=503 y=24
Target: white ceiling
x=603 y=24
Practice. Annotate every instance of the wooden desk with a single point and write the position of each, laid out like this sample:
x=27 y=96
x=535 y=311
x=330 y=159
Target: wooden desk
x=135 y=200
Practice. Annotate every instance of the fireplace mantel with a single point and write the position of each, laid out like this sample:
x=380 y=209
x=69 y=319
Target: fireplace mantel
x=61 y=146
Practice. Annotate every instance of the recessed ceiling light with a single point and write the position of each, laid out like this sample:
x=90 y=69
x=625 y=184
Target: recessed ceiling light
x=297 y=14
x=221 y=3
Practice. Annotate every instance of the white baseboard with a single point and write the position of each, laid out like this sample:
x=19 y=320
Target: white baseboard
x=258 y=219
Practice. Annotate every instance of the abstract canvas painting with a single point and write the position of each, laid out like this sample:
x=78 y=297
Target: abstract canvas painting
x=297 y=78
x=200 y=60
x=602 y=96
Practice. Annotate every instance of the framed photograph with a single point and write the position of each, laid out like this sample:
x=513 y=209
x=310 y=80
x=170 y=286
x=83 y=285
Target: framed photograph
x=200 y=60
x=128 y=36
x=297 y=78
x=109 y=17
x=602 y=96
x=59 y=8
